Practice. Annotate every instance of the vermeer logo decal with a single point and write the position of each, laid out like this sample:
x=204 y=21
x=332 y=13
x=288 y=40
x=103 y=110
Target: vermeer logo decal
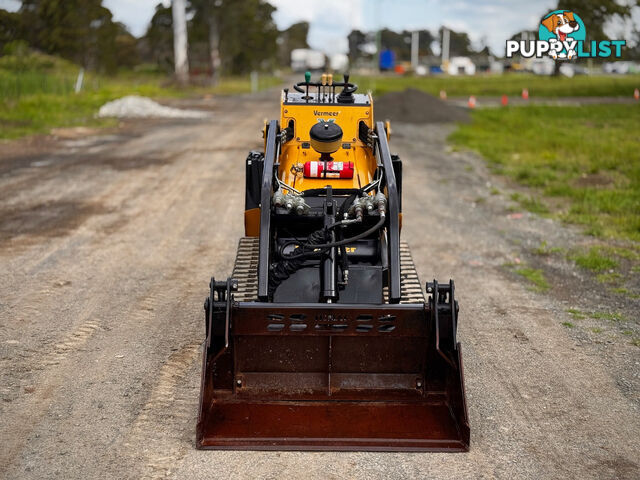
x=563 y=36
x=318 y=113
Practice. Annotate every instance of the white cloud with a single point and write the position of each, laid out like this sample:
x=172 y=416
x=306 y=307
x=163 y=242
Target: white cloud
x=135 y=14
x=331 y=20
x=10 y=5
x=493 y=21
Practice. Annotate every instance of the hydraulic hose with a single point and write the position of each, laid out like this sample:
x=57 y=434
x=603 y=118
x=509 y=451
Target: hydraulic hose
x=280 y=271
x=346 y=241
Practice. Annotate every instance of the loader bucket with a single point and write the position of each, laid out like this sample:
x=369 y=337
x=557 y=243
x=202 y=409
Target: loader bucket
x=332 y=377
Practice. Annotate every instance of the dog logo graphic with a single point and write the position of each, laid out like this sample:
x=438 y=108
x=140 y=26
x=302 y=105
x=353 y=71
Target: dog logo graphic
x=563 y=36
x=563 y=30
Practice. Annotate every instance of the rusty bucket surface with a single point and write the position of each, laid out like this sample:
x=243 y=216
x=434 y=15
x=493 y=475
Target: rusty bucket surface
x=332 y=377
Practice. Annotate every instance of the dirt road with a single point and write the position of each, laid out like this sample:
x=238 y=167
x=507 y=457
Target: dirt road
x=107 y=244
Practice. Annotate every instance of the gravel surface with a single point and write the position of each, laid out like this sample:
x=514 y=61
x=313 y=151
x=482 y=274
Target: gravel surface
x=107 y=244
x=134 y=106
x=416 y=106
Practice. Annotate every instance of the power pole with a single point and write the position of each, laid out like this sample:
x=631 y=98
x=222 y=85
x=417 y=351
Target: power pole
x=214 y=48
x=376 y=62
x=446 y=37
x=415 y=39
x=180 y=45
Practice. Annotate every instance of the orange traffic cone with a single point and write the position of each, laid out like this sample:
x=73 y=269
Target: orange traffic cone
x=636 y=94
x=525 y=93
x=472 y=102
x=443 y=95
x=505 y=100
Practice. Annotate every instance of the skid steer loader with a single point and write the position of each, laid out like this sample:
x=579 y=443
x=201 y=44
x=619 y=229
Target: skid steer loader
x=322 y=338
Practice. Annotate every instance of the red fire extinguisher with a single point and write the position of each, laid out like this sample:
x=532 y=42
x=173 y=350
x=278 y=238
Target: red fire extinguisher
x=328 y=170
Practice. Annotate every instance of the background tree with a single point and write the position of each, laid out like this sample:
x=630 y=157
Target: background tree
x=127 y=47
x=82 y=31
x=595 y=14
x=633 y=52
x=204 y=37
x=459 y=43
x=245 y=30
x=9 y=28
x=356 y=40
x=400 y=42
x=157 y=44
x=248 y=37
x=293 y=37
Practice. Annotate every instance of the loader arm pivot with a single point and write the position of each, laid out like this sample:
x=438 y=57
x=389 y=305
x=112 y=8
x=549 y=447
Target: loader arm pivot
x=394 y=214
x=271 y=151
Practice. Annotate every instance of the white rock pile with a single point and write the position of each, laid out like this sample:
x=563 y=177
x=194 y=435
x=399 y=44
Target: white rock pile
x=134 y=106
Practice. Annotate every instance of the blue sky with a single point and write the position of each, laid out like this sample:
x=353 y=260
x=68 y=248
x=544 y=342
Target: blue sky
x=490 y=22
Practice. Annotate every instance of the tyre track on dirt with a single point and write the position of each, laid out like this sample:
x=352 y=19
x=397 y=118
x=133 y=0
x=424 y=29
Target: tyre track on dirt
x=166 y=205
x=171 y=407
x=173 y=402
x=19 y=423
x=166 y=195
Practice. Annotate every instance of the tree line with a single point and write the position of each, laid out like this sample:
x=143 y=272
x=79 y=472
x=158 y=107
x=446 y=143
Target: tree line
x=82 y=31
x=594 y=13
x=361 y=44
x=232 y=36
x=228 y=36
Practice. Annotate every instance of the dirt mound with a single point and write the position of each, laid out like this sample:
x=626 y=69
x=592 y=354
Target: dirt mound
x=416 y=106
x=135 y=106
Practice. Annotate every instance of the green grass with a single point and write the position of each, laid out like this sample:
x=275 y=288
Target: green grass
x=576 y=314
x=611 y=277
x=568 y=324
x=632 y=254
x=35 y=73
x=508 y=84
x=613 y=317
x=38 y=113
x=544 y=249
x=37 y=93
x=19 y=84
x=595 y=259
x=535 y=276
x=626 y=292
x=621 y=291
x=582 y=164
x=529 y=203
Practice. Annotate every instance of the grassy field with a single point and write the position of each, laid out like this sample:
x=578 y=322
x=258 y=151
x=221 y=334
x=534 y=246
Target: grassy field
x=37 y=93
x=581 y=164
x=508 y=84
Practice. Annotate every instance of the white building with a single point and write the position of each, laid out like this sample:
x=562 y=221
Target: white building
x=305 y=59
x=461 y=66
x=339 y=63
